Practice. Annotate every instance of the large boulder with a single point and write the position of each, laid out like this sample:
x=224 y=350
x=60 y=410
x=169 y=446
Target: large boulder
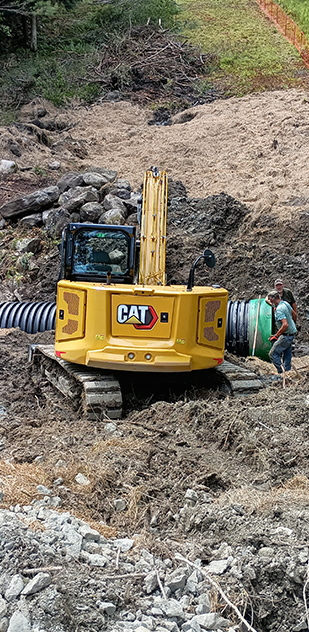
x=28 y=244
x=123 y=194
x=108 y=174
x=32 y=220
x=75 y=198
x=70 y=180
x=133 y=202
x=111 y=202
x=32 y=203
x=90 y=212
x=55 y=222
x=114 y=217
x=96 y=180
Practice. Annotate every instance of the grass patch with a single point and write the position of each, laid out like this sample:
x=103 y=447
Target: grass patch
x=70 y=46
x=252 y=53
x=298 y=10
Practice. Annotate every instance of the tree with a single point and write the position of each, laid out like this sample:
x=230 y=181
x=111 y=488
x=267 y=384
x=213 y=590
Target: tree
x=28 y=11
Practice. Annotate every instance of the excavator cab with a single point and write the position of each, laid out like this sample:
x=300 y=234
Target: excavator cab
x=98 y=253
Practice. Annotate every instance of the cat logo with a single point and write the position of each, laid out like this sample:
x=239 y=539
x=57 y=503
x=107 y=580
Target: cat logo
x=140 y=316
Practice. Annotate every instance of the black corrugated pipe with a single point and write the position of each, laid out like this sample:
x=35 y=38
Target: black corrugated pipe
x=242 y=327
x=237 y=328
x=29 y=317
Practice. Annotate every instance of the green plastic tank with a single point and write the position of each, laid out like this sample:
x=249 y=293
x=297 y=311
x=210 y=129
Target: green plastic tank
x=260 y=315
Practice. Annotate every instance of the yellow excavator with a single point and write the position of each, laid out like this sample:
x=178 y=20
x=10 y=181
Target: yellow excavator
x=115 y=311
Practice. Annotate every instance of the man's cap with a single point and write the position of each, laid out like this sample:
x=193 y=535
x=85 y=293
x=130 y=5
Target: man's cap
x=278 y=282
x=273 y=294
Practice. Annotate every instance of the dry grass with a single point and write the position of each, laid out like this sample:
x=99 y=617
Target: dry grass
x=19 y=481
x=294 y=492
x=118 y=445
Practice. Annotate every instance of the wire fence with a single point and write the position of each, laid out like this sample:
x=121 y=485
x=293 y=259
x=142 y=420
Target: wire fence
x=287 y=27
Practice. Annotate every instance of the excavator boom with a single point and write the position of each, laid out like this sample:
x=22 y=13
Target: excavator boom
x=153 y=228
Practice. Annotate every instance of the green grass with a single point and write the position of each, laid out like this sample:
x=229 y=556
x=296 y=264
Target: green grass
x=251 y=53
x=245 y=52
x=69 y=44
x=298 y=10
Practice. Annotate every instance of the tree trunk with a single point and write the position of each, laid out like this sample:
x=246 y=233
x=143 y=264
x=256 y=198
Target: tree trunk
x=25 y=29
x=34 y=38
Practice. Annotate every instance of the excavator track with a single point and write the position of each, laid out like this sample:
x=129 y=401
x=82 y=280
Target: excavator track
x=238 y=381
x=97 y=392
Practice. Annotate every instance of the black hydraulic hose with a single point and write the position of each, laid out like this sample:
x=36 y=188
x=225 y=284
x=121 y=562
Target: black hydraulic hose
x=29 y=317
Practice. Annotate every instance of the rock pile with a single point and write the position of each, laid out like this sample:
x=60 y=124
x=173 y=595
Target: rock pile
x=58 y=574
x=96 y=196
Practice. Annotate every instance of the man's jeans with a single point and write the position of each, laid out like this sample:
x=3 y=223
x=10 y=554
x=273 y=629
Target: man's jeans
x=281 y=352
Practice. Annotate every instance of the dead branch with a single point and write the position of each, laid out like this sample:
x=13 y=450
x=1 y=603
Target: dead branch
x=118 y=556
x=43 y=569
x=160 y=585
x=180 y=557
x=126 y=576
x=304 y=595
x=144 y=62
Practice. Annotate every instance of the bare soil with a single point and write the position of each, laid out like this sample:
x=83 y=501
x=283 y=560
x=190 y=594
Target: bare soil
x=249 y=453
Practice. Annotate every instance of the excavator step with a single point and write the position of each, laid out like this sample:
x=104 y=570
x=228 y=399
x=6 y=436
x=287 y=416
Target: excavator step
x=237 y=380
x=98 y=392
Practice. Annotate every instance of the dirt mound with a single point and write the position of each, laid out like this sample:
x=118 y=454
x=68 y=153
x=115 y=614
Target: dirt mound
x=238 y=186
x=242 y=457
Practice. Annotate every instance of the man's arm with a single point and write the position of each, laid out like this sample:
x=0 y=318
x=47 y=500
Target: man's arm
x=283 y=328
x=294 y=312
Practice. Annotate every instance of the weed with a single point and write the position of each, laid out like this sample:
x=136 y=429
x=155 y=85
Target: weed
x=90 y=92
x=204 y=86
x=40 y=171
x=12 y=273
x=24 y=260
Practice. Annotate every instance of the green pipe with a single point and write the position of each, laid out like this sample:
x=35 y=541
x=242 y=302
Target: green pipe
x=264 y=328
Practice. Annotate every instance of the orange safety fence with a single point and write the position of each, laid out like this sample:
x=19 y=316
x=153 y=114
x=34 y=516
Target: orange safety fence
x=287 y=27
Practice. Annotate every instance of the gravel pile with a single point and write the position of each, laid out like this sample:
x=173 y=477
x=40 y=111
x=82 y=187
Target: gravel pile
x=58 y=575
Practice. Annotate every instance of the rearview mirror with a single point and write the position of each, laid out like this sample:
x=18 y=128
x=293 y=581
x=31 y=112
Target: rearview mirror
x=209 y=258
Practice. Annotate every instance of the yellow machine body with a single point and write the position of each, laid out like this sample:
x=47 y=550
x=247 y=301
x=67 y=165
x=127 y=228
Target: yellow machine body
x=141 y=328
x=146 y=326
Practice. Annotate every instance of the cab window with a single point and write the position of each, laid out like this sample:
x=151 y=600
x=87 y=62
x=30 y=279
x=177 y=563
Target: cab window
x=96 y=252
